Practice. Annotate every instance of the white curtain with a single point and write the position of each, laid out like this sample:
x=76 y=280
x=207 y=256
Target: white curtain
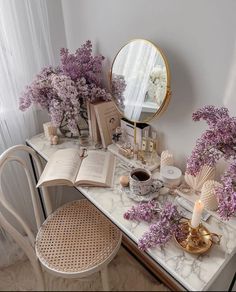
x=25 y=47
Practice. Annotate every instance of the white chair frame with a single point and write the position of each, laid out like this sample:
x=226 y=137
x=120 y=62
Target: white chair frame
x=28 y=246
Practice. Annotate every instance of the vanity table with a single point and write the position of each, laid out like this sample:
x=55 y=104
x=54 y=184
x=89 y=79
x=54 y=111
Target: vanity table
x=176 y=268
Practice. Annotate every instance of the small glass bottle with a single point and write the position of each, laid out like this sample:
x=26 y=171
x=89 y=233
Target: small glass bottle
x=136 y=149
x=145 y=141
x=153 y=142
x=153 y=148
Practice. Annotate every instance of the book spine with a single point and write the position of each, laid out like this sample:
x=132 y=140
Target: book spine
x=94 y=125
x=100 y=129
x=89 y=119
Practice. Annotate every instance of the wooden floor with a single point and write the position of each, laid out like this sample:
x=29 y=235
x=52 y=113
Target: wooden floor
x=125 y=274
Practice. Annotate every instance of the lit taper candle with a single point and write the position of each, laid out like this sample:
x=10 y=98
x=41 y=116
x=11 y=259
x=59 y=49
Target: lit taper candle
x=197 y=214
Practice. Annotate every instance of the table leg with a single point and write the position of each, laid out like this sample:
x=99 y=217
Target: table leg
x=232 y=283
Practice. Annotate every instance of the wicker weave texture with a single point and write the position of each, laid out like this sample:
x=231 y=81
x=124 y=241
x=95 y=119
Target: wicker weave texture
x=75 y=238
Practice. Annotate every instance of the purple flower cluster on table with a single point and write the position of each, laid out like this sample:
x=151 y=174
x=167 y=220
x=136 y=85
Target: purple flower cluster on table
x=63 y=91
x=165 y=223
x=218 y=141
x=143 y=212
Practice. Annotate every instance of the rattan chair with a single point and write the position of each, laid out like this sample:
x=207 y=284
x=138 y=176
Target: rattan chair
x=75 y=241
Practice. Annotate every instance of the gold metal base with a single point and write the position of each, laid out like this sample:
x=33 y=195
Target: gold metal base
x=196 y=240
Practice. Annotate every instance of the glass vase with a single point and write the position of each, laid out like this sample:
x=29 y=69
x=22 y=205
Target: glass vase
x=82 y=125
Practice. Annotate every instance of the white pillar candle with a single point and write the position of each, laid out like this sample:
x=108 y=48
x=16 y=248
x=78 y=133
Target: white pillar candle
x=197 y=214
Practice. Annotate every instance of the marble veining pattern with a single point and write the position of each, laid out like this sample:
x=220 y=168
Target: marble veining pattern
x=194 y=272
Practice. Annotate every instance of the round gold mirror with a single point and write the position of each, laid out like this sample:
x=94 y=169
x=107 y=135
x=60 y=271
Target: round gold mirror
x=140 y=81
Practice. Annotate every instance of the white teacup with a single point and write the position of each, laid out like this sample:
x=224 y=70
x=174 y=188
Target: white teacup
x=140 y=181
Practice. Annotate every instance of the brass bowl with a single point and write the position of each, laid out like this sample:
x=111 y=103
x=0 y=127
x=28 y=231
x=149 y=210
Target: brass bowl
x=197 y=240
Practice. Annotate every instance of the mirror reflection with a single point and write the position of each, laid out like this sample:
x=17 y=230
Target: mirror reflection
x=139 y=80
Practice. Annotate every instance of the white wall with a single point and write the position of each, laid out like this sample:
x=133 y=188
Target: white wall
x=198 y=38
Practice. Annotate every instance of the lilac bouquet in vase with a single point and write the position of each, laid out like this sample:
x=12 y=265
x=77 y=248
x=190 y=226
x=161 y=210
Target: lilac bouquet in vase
x=218 y=141
x=65 y=91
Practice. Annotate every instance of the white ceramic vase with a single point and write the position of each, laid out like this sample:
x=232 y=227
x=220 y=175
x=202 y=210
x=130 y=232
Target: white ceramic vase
x=196 y=182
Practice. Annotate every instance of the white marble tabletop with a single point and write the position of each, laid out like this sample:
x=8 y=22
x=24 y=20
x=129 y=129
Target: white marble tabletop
x=195 y=273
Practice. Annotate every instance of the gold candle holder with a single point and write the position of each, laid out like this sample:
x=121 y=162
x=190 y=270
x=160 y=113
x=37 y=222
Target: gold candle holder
x=196 y=240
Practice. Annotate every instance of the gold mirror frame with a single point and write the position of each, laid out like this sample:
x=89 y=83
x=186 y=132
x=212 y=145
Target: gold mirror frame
x=166 y=100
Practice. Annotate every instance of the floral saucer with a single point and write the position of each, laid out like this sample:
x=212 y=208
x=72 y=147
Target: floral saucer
x=157 y=185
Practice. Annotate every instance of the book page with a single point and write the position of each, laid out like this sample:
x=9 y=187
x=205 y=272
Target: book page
x=96 y=169
x=62 y=166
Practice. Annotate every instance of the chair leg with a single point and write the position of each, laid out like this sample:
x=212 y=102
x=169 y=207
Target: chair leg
x=39 y=275
x=105 y=281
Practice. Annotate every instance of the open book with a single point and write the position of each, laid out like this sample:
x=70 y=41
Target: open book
x=66 y=167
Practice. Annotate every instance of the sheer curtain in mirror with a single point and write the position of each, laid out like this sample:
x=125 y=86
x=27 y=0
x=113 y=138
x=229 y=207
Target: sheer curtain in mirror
x=135 y=62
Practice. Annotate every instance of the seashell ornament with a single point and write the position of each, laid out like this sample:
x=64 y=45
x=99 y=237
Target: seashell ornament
x=196 y=182
x=208 y=195
x=167 y=158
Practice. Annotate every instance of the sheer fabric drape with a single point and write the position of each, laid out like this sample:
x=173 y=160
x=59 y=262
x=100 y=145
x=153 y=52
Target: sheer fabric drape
x=25 y=47
x=135 y=63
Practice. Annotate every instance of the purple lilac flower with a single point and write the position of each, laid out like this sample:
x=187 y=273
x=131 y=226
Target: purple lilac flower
x=211 y=114
x=143 y=211
x=163 y=230
x=97 y=93
x=39 y=92
x=166 y=222
x=218 y=141
x=227 y=193
x=64 y=90
x=67 y=104
x=118 y=88
x=82 y=64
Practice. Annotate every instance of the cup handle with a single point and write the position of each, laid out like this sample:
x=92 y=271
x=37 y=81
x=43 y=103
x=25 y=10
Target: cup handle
x=217 y=238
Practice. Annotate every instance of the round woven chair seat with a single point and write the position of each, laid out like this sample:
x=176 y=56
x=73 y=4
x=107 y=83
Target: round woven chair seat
x=76 y=238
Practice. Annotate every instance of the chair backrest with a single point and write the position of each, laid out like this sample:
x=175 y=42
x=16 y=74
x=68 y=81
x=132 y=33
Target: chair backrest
x=27 y=245
x=11 y=155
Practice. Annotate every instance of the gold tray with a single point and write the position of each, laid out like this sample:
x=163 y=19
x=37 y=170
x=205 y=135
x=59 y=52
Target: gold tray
x=197 y=241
